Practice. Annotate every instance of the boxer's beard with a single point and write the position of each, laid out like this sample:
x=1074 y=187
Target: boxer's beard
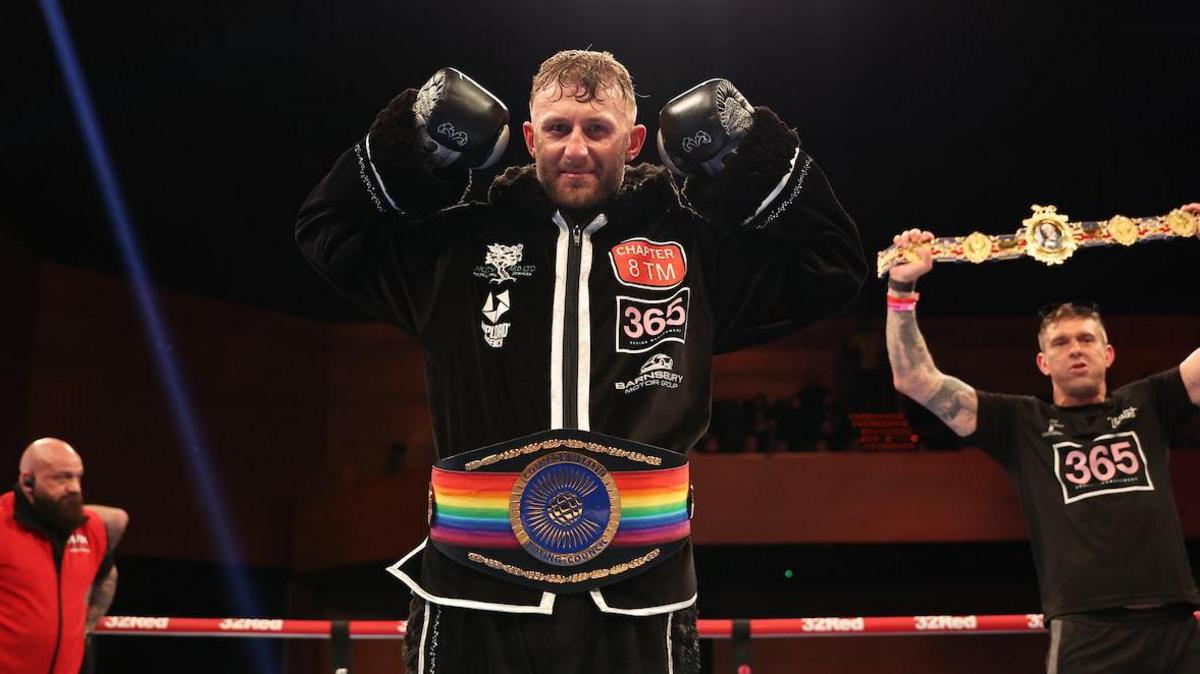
x=63 y=514
x=608 y=183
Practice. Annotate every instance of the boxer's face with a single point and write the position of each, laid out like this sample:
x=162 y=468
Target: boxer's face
x=1075 y=355
x=580 y=149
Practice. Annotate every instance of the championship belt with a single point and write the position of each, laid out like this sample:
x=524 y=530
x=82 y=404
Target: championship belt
x=1047 y=237
x=561 y=510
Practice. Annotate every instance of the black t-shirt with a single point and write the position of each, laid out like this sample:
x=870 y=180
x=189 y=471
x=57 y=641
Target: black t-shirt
x=1096 y=493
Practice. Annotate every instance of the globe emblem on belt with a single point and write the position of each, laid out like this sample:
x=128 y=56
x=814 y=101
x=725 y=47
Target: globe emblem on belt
x=564 y=508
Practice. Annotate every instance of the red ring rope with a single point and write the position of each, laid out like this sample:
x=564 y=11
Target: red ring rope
x=709 y=629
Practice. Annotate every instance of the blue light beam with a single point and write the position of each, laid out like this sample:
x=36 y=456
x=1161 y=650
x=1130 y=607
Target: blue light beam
x=157 y=334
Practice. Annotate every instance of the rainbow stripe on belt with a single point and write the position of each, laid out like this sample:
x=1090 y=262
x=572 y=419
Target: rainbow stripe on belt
x=472 y=509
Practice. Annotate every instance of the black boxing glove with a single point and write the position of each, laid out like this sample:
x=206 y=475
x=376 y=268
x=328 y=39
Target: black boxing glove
x=699 y=129
x=460 y=123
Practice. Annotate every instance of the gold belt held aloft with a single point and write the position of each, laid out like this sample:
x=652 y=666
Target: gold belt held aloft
x=1047 y=236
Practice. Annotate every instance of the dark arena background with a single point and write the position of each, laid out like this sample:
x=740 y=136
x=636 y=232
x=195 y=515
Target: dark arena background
x=271 y=443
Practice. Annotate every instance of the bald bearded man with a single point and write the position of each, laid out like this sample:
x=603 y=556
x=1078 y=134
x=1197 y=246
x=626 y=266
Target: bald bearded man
x=57 y=577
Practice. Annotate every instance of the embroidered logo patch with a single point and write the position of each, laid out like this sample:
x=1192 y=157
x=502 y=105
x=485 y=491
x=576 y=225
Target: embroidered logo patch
x=494 y=307
x=503 y=263
x=644 y=324
x=1125 y=415
x=77 y=543
x=659 y=371
x=654 y=265
x=1110 y=464
x=1055 y=428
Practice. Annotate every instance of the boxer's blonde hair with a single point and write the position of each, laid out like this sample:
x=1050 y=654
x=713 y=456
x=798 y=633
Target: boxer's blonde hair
x=592 y=75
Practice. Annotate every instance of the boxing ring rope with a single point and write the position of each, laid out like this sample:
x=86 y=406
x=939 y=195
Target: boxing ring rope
x=741 y=631
x=720 y=628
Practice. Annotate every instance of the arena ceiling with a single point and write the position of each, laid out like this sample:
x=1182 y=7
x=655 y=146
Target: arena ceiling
x=949 y=115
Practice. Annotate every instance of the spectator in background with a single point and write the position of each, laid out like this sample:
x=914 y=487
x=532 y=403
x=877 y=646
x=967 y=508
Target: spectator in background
x=708 y=444
x=866 y=358
x=797 y=425
x=837 y=433
x=762 y=423
x=751 y=444
x=57 y=577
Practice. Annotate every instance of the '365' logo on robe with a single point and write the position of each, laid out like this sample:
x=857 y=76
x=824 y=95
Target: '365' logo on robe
x=643 y=324
x=653 y=265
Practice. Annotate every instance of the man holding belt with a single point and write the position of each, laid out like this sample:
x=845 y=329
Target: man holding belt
x=1091 y=471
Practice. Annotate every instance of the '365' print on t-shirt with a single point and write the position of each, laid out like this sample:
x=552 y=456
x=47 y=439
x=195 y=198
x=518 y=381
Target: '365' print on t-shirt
x=1109 y=464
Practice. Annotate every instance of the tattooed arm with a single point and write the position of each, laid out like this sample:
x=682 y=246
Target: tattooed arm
x=913 y=371
x=100 y=598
